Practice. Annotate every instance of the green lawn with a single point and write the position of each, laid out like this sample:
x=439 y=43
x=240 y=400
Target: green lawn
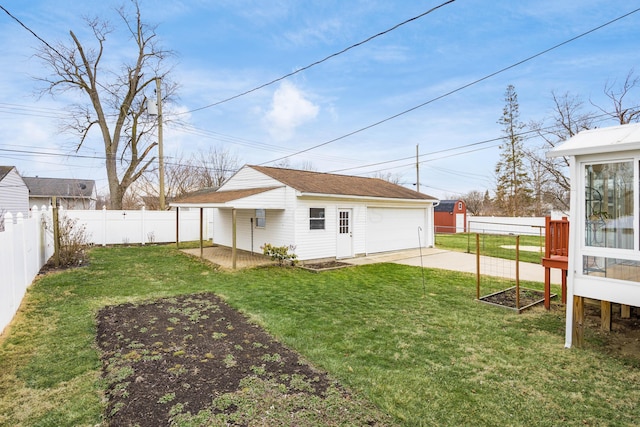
x=494 y=245
x=433 y=357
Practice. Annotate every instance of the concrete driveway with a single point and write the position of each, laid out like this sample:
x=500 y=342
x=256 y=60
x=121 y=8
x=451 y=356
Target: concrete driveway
x=460 y=261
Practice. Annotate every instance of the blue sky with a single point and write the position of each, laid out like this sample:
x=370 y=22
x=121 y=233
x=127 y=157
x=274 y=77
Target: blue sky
x=226 y=47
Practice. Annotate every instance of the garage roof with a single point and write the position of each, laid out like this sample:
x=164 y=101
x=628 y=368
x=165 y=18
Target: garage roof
x=307 y=183
x=343 y=185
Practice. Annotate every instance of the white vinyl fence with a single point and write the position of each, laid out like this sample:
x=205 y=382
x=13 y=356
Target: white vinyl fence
x=509 y=225
x=26 y=244
x=107 y=227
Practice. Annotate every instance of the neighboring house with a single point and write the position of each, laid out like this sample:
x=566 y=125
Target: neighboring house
x=450 y=216
x=14 y=194
x=604 y=237
x=70 y=193
x=321 y=215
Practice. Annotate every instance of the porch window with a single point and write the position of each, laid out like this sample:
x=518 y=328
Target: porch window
x=609 y=221
x=609 y=205
x=316 y=218
x=261 y=218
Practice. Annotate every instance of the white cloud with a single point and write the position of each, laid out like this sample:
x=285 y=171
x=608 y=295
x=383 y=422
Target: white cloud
x=290 y=109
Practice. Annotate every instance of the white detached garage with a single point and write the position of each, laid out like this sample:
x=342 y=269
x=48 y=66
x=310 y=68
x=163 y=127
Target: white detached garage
x=322 y=215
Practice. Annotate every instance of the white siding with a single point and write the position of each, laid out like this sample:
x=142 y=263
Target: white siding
x=273 y=199
x=14 y=194
x=249 y=178
x=278 y=230
x=314 y=244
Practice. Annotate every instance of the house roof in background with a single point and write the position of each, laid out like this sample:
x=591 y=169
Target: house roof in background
x=4 y=171
x=343 y=185
x=60 y=187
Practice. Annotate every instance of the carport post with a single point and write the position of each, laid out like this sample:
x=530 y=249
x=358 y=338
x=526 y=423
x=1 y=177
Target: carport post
x=177 y=227
x=233 y=237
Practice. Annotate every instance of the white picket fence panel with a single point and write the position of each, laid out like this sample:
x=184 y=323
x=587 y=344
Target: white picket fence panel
x=26 y=244
x=117 y=227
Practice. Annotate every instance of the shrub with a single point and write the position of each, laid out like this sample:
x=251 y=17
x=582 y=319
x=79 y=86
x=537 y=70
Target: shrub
x=280 y=253
x=74 y=241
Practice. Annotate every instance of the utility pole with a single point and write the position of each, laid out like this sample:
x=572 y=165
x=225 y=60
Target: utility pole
x=418 y=168
x=160 y=153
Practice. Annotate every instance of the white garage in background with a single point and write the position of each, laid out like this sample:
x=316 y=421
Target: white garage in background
x=396 y=228
x=321 y=215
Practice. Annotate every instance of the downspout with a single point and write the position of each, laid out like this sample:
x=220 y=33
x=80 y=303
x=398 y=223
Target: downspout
x=251 y=220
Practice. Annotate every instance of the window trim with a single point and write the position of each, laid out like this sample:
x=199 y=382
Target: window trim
x=318 y=219
x=261 y=217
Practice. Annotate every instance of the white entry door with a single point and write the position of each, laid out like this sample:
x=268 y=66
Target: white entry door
x=460 y=223
x=345 y=234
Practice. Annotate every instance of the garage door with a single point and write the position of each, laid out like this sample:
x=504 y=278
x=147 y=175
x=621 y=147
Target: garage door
x=392 y=229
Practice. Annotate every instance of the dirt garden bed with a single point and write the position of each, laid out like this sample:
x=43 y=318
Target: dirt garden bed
x=507 y=298
x=325 y=265
x=193 y=360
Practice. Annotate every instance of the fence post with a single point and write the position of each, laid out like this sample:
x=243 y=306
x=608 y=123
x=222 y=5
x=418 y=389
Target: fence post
x=104 y=225
x=142 y=229
x=56 y=233
x=518 y=272
x=478 y=265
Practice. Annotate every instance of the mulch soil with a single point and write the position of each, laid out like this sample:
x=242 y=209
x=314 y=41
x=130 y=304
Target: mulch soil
x=507 y=297
x=326 y=265
x=177 y=355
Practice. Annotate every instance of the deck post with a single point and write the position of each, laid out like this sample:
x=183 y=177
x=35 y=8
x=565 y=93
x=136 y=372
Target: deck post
x=578 y=321
x=605 y=315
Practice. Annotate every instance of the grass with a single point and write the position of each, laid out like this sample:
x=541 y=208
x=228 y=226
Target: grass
x=493 y=245
x=434 y=358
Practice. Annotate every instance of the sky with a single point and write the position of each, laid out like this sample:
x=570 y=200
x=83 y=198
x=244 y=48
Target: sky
x=433 y=86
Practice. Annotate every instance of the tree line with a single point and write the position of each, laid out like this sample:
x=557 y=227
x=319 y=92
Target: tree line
x=527 y=183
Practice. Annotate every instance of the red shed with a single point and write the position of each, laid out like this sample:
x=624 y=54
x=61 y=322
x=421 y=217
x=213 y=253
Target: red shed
x=450 y=216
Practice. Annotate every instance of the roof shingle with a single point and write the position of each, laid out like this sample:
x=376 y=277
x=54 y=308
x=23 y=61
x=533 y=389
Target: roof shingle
x=344 y=185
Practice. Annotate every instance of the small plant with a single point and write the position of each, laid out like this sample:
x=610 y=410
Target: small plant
x=167 y=398
x=230 y=361
x=151 y=237
x=280 y=254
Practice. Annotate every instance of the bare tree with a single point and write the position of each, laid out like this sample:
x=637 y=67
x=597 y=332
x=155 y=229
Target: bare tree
x=567 y=119
x=214 y=167
x=475 y=202
x=115 y=100
x=391 y=177
x=619 y=99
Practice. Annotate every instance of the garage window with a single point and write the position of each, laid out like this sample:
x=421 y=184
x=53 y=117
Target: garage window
x=316 y=218
x=261 y=218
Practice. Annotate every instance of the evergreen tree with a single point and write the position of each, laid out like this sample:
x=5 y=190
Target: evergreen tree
x=513 y=192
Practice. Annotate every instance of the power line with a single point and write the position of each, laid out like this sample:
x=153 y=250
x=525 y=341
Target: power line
x=322 y=60
x=32 y=32
x=486 y=77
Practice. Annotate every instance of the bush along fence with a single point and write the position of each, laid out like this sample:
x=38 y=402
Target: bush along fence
x=27 y=243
